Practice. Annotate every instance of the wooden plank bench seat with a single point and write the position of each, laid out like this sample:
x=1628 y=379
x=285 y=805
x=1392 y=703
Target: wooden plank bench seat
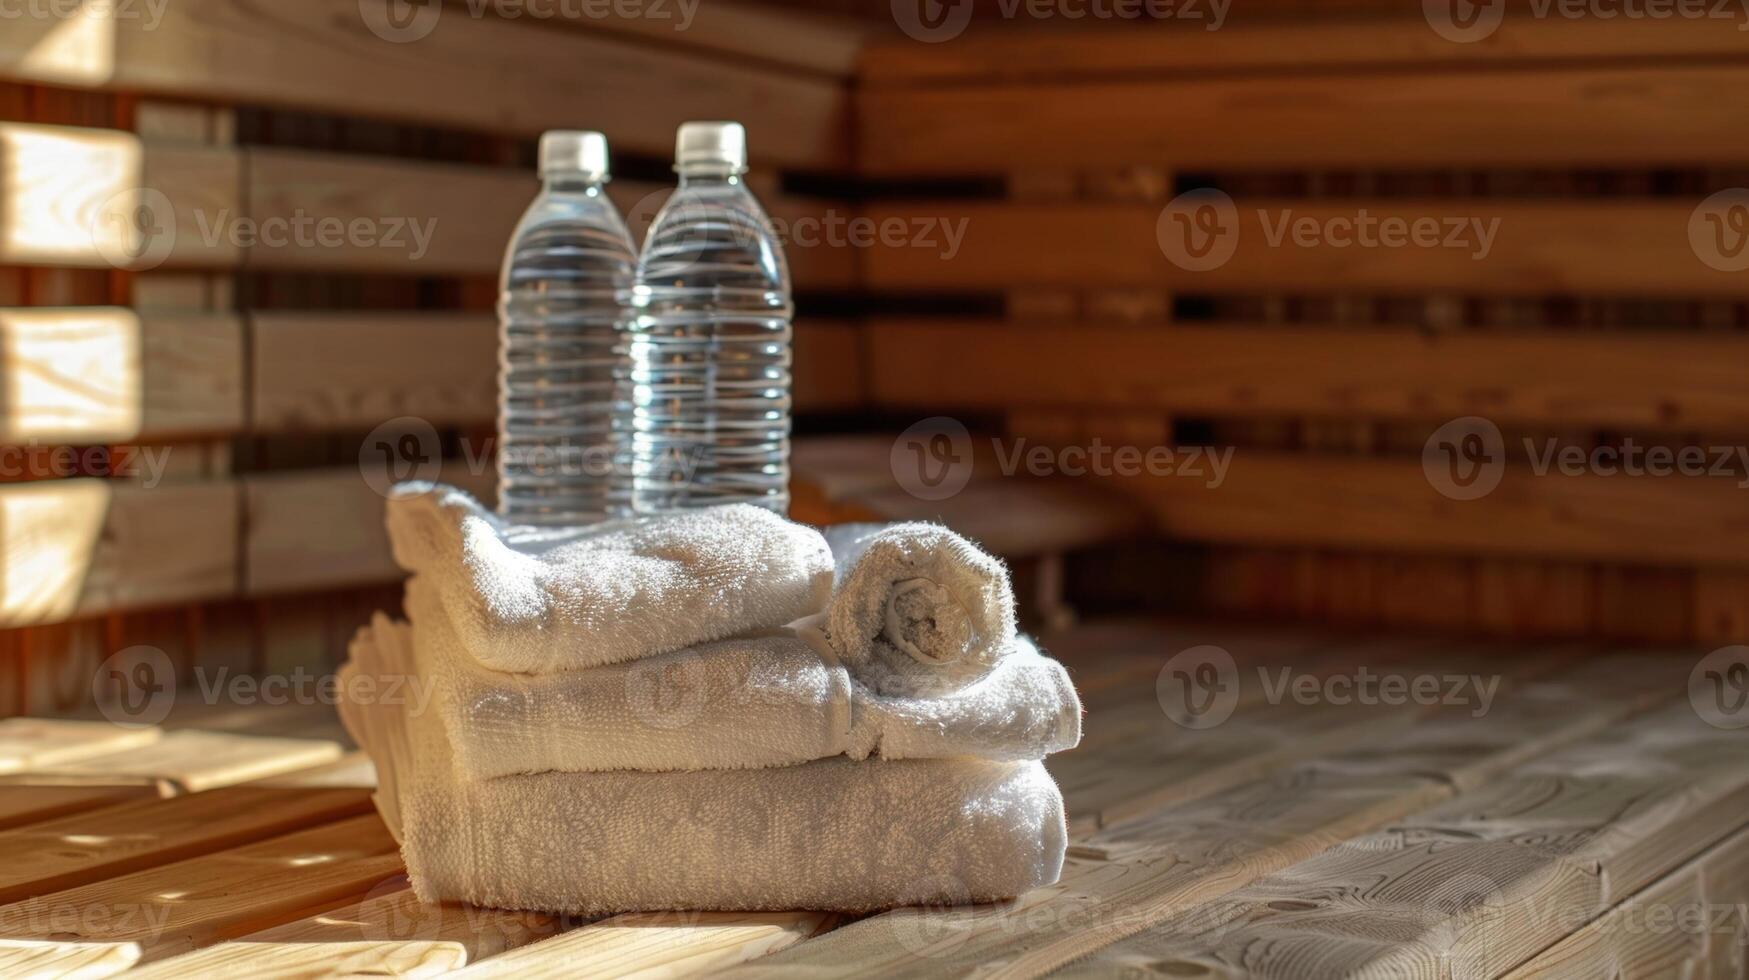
x=1527 y=818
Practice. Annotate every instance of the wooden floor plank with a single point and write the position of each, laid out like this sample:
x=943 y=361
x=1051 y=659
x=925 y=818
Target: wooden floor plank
x=41 y=959
x=117 y=840
x=194 y=761
x=652 y=944
x=389 y=933
x=1690 y=923
x=23 y=804
x=1158 y=762
x=176 y=908
x=1127 y=878
x=1482 y=882
x=28 y=744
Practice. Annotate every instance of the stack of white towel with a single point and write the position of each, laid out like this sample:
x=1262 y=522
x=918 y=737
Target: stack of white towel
x=714 y=710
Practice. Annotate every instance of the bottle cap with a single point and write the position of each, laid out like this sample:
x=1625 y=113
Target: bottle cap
x=574 y=152
x=718 y=144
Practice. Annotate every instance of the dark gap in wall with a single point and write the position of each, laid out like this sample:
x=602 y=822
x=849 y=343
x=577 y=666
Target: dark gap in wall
x=1469 y=312
x=926 y=304
x=1467 y=184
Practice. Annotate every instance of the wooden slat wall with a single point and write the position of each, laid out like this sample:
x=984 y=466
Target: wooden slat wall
x=181 y=411
x=1586 y=146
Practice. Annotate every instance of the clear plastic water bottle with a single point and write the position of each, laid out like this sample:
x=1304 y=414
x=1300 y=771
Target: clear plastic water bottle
x=711 y=346
x=565 y=313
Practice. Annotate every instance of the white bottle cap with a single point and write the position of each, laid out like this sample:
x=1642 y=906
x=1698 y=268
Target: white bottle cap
x=711 y=144
x=573 y=151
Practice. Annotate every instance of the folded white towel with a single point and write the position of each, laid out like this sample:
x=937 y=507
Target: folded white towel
x=532 y=600
x=832 y=834
x=916 y=604
x=770 y=700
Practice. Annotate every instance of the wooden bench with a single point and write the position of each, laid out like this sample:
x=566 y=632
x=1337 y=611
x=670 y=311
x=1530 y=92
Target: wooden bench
x=1545 y=830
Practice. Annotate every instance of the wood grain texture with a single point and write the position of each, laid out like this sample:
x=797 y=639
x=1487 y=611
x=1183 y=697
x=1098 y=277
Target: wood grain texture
x=75 y=850
x=195 y=761
x=28 y=744
x=389 y=933
x=72 y=961
x=1634 y=380
x=1301 y=45
x=472 y=73
x=1689 y=922
x=96 y=198
x=1529 y=116
x=102 y=374
x=1124 y=879
x=179 y=907
x=87 y=546
x=666 y=944
x=1618 y=246
x=324 y=528
x=24 y=803
x=1389 y=505
x=1479 y=884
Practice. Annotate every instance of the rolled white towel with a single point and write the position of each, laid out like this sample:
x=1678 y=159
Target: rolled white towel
x=916 y=604
x=751 y=702
x=532 y=600
x=833 y=834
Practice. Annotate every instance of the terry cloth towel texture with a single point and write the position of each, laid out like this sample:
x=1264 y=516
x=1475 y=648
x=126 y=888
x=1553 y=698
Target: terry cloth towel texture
x=832 y=834
x=917 y=602
x=536 y=600
x=769 y=700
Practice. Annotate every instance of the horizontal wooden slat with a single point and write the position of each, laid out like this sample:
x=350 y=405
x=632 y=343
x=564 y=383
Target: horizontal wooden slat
x=484 y=73
x=1532 y=116
x=89 y=546
x=95 y=198
x=390 y=933
x=1619 y=246
x=38 y=743
x=1389 y=505
x=195 y=761
x=1304 y=45
x=315 y=371
x=92 y=375
x=87 y=847
x=1663 y=379
x=741 y=32
x=101 y=198
x=178 y=907
x=324 y=528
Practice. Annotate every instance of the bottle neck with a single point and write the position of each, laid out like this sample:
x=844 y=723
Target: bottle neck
x=707 y=175
x=565 y=182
